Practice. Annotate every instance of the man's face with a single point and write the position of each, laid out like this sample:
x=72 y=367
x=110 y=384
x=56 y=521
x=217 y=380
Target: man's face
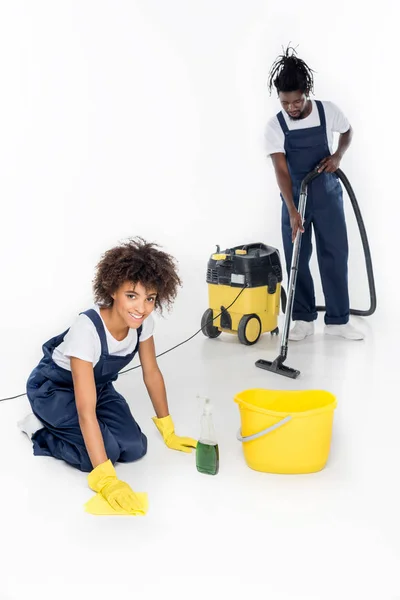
x=294 y=104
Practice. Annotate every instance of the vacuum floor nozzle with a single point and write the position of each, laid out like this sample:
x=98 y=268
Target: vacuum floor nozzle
x=277 y=367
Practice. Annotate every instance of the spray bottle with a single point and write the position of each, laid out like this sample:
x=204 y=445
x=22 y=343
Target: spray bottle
x=207 y=452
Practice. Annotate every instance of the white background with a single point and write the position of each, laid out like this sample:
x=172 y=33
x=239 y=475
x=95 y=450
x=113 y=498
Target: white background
x=146 y=118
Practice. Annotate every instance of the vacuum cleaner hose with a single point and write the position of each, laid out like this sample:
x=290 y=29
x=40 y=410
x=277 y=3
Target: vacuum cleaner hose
x=364 y=239
x=307 y=179
x=367 y=252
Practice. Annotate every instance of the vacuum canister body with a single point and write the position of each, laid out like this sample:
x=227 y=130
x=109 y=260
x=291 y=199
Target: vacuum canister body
x=251 y=274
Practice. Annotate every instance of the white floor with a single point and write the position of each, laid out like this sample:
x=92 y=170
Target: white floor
x=330 y=535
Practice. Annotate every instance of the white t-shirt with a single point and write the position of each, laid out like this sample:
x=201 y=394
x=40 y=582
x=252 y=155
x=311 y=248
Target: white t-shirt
x=82 y=341
x=336 y=122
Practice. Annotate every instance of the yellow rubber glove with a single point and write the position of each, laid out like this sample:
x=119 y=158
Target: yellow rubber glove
x=166 y=427
x=114 y=496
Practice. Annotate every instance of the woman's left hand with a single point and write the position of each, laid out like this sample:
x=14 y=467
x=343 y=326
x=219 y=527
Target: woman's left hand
x=166 y=427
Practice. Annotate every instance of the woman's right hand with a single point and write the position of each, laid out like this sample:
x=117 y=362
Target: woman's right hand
x=296 y=223
x=119 y=495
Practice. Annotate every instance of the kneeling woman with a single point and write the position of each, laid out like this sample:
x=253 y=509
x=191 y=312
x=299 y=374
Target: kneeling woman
x=78 y=416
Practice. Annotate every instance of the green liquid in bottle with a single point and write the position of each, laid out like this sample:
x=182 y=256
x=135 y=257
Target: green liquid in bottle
x=207 y=458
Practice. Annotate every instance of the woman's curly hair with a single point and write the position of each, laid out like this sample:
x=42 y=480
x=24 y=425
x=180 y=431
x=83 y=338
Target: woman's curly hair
x=136 y=261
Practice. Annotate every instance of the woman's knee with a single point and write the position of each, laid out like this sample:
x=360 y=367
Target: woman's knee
x=127 y=443
x=112 y=448
x=112 y=451
x=135 y=449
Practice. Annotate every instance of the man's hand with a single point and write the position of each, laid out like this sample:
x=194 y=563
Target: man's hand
x=296 y=223
x=329 y=164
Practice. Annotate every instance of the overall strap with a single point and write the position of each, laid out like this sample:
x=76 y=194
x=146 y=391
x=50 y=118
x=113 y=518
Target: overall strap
x=98 y=323
x=282 y=122
x=321 y=113
x=138 y=331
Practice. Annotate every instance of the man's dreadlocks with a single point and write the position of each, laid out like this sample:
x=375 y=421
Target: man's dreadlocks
x=289 y=74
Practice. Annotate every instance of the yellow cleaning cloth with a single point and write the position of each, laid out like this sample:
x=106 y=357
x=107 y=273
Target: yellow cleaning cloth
x=98 y=505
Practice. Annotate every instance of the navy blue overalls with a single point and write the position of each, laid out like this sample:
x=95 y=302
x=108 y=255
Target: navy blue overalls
x=51 y=394
x=305 y=148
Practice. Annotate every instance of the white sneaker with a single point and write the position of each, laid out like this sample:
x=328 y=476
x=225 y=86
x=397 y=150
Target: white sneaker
x=301 y=330
x=30 y=425
x=346 y=331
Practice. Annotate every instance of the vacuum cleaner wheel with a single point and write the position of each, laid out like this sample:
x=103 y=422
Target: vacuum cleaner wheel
x=207 y=326
x=249 y=329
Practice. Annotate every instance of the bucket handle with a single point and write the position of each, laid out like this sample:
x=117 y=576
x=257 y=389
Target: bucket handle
x=255 y=436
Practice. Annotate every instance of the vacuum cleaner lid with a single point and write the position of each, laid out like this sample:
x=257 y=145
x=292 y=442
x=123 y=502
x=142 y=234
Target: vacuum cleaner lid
x=250 y=265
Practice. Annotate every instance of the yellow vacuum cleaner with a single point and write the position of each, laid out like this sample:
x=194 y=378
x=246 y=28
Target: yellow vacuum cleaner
x=248 y=279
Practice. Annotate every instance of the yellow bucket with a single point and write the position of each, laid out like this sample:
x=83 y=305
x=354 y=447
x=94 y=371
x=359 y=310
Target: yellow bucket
x=286 y=431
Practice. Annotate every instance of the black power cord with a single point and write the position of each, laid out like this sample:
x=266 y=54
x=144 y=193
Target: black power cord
x=192 y=336
x=162 y=353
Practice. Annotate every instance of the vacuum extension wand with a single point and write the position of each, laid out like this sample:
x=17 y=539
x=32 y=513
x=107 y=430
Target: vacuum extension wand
x=277 y=365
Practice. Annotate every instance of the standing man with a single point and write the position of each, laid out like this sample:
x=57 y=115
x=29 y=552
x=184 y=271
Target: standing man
x=298 y=139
